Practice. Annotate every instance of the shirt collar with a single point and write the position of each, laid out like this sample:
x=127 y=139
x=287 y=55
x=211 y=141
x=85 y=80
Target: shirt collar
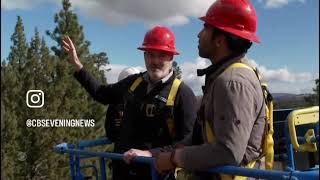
x=146 y=77
x=152 y=85
x=217 y=68
x=213 y=67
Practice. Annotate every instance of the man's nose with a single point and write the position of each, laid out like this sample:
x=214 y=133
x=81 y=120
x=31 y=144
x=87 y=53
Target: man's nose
x=155 y=60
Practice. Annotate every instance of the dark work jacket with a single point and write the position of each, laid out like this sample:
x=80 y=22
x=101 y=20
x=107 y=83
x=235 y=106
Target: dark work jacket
x=142 y=128
x=112 y=124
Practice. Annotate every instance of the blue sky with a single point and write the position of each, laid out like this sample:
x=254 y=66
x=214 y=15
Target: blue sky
x=288 y=55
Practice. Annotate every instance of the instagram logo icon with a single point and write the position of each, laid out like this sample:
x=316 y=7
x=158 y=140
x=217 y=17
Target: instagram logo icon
x=35 y=98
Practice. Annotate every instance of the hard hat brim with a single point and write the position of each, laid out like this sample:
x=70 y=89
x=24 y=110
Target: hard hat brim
x=159 y=48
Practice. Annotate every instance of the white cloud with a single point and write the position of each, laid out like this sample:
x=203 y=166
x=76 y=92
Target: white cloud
x=24 y=4
x=283 y=80
x=280 y=80
x=150 y=12
x=18 y=4
x=282 y=74
x=279 y=3
x=165 y=12
x=121 y=12
x=189 y=74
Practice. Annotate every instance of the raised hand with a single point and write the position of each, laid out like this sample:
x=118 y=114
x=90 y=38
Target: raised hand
x=71 y=50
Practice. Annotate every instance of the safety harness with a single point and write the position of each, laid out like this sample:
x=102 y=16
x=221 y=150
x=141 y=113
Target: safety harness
x=170 y=101
x=268 y=150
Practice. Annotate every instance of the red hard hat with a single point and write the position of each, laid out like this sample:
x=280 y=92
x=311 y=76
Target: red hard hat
x=237 y=17
x=159 y=38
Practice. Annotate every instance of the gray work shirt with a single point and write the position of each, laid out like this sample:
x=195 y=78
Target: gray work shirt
x=231 y=103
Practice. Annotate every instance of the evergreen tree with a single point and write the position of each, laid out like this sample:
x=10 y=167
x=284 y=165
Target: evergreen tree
x=27 y=153
x=39 y=158
x=313 y=99
x=74 y=100
x=8 y=124
x=18 y=54
x=12 y=98
x=177 y=69
x=16 y=62
x=69 y=98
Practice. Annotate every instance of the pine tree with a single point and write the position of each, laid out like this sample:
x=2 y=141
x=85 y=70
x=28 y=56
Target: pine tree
x=16 y=62
x=70 y=99
x=8 y=124
x=12 y=99
x=37 y=149
x=26 y=153
x=313 y=99
x=18 y=54
x=74 y=100
x=177 y=69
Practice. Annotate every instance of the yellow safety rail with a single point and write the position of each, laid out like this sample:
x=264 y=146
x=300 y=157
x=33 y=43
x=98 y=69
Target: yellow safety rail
x=302 y=117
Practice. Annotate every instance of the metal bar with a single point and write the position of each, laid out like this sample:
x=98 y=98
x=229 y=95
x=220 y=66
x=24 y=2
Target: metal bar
x=91 y=143
x=256 y=173
x=290 y=153
x=77 y=166
x=71 y=162
x=240 y=171
x=154 y=173
x=113 y=156
x=103 y=169
x=307 y=175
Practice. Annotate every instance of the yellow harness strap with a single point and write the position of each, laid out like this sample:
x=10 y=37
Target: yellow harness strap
x=170 y=102
x=268 y=146
x=136 y=83
x=209 y=132
x=240 y=65
x=250 y=165
x=173 y=92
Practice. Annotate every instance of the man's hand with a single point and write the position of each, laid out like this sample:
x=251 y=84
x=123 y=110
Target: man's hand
x=71 y=50
x=129 y=155
x=163 y=162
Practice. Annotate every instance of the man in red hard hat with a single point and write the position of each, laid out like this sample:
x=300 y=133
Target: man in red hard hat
x=232 y=112
x=159 y=111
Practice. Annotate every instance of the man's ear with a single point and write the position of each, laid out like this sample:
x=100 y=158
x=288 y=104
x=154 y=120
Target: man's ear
x=220 y=40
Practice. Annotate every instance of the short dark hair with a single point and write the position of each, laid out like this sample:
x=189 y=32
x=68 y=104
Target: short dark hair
x=236 y=44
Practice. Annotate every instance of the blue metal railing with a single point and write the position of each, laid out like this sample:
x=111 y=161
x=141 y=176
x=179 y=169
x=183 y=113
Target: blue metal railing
x=76 y=153
x=82 y=154
x=256 y=173
x=266 y=174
